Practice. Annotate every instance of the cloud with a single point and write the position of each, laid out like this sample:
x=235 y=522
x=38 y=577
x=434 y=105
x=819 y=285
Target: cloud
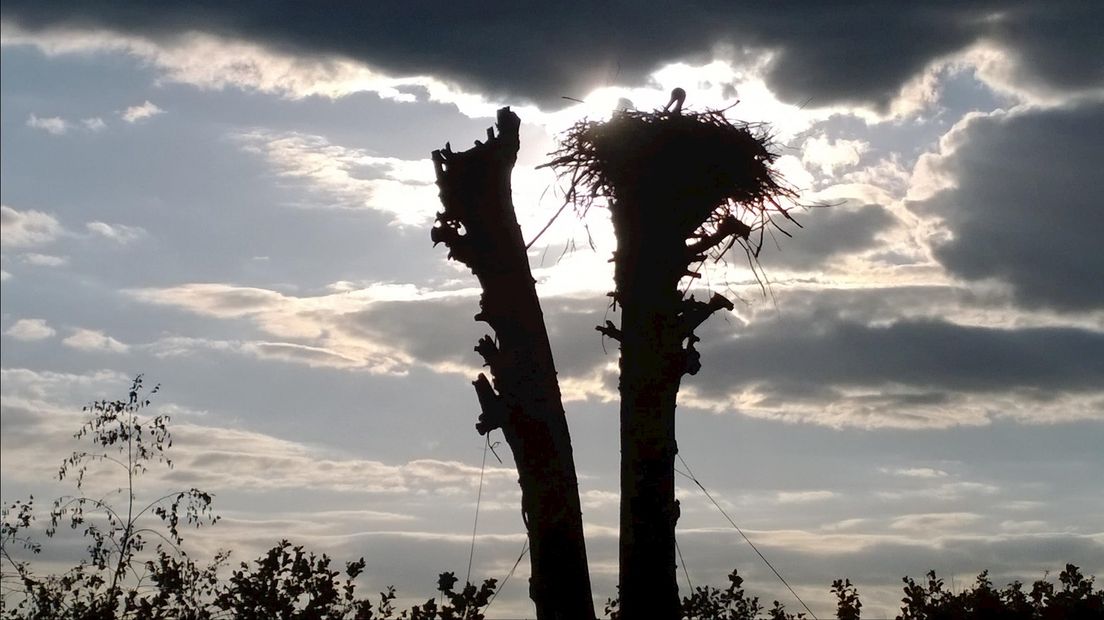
x=213 y=299
x=218 y=458
x=1019 y=200
x=944 y=491
x=829 y=233
x=27 y=228
x=222 y=459
x=30 y=329
x=803 y=497
x=217 y=62
x=349 y=177
x=380 y=328
x=92 y=340
x=94 y=124
x=877 y=358
x=317 y=323
x=136 y=113
x=840 y=366
x=119 y=233
x=53 y=125
x=830 y=154
x=814 y=51
x=916 y=472
x=935 y=522
x=920 y=353
x=44 y=260
x=305 y=354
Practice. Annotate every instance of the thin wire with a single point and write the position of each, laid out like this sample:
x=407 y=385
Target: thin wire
x=689 y=583
x=690 y=475
x=478 y=500
x=524 y=550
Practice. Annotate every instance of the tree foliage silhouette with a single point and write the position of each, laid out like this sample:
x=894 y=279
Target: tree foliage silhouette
x=122 y=576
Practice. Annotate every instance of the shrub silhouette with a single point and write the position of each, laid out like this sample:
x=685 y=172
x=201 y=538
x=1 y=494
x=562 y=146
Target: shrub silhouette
x=120 y=577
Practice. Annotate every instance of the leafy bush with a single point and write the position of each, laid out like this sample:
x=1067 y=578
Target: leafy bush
x=1074 y=599
x=121 y=576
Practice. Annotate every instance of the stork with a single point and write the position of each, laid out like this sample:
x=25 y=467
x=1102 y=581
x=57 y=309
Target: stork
x=678 y=97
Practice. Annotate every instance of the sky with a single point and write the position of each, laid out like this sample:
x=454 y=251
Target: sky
x=235 y=199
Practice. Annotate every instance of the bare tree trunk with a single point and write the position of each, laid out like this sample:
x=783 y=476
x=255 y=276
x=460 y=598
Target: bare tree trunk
x=675 y=184
x=480 y=229
x=651 y=258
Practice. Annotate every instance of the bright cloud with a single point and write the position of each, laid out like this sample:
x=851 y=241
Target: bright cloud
x=136 y=113
x=94 y=124
x=803 y=497
x=936 y=522
x=53 y=125
x=319 y=323
x=351 y=178
x=119 y=233
x=44 y=260
x=830 y=154
x=27 y=228
x=30 y=329
x=916 y=472
x=92 y=340
x=213 y=62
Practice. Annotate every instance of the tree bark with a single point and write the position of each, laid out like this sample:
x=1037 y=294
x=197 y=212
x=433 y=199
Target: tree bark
x=651 y=259
x=480 y=229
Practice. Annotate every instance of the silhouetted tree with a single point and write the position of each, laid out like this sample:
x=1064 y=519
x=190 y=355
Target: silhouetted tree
x=120 y=578
x=117 y=531
x=679 y=187
x=480 y=229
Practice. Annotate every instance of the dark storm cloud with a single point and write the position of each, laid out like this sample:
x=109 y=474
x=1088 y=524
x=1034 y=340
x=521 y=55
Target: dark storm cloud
x=827 y=51
x=1026 y=206
x=809 y=354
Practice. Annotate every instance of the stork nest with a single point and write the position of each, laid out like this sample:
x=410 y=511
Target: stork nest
x=697 y=171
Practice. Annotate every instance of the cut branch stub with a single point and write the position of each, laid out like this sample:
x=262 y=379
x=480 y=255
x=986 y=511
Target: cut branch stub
x=494 y=412
x=609 y=330
x=695 y=312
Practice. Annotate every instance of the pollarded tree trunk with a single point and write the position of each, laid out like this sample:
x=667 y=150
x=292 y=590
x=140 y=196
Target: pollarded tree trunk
x=677 y=185
x=480 y=228
x=651 y=258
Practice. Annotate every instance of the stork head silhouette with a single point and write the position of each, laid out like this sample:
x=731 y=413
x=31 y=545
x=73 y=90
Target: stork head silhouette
x=678 y=97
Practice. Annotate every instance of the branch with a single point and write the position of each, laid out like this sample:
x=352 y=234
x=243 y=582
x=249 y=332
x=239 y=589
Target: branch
x=692 y=357
x=696 y=312
x=494 y=411
x=729 y=226
x=610 y=330
x=487 y=349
